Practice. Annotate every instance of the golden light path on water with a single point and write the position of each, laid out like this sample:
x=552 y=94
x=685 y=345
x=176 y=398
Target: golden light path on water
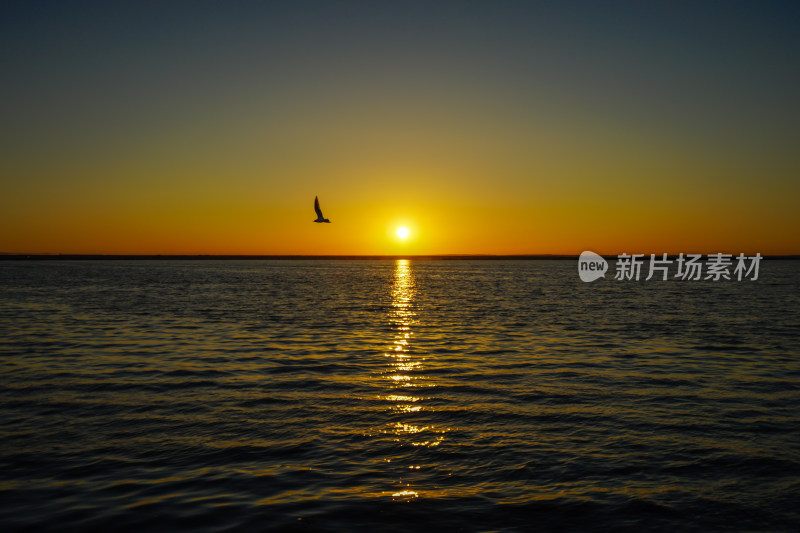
x=403 y=374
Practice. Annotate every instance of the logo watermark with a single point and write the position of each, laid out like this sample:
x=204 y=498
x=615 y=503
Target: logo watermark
x=592 y=266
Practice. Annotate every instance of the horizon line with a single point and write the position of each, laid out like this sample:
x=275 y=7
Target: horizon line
x=166 y=257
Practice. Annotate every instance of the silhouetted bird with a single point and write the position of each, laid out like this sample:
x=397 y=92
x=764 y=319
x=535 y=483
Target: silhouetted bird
x=320 y=218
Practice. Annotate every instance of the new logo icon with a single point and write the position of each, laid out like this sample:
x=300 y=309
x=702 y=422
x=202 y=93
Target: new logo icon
x=591 y=266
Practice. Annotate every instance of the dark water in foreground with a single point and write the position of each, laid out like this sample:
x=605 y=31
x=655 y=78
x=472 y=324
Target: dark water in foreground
x=381 y=396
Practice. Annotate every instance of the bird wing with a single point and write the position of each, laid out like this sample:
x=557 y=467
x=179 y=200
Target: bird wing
x=316 y=207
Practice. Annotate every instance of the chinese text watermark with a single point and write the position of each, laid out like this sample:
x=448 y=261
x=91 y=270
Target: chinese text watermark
x=716 y=267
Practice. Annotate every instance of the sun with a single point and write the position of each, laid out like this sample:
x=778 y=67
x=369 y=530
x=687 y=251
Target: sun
x=402 y=232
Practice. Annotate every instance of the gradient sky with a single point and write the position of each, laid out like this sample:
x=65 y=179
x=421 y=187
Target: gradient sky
x=483 y=127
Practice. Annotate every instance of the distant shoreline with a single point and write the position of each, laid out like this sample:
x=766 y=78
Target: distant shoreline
x=89 y=257
x=436 y=257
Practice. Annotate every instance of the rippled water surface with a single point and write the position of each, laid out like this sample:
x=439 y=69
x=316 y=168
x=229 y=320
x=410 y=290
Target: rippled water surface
x=395 y=395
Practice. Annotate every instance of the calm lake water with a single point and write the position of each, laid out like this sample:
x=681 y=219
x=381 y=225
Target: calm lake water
x=395 y=396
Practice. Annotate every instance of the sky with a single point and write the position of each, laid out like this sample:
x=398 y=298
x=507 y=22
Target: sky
x=481 y=127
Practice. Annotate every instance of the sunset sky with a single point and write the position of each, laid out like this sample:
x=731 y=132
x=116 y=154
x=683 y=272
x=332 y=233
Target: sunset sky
x=482 y=127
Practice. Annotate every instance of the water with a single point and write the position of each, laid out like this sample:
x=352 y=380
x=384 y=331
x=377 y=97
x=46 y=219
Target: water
x=395 y=395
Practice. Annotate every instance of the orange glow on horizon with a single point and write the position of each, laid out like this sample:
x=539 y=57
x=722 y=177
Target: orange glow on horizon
x=554 y=228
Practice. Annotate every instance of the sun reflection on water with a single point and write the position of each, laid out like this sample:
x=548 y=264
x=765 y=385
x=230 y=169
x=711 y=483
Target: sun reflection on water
x=402 y=366
x=403 y=377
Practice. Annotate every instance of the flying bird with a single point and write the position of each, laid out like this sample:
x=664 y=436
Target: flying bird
x=320 y=218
